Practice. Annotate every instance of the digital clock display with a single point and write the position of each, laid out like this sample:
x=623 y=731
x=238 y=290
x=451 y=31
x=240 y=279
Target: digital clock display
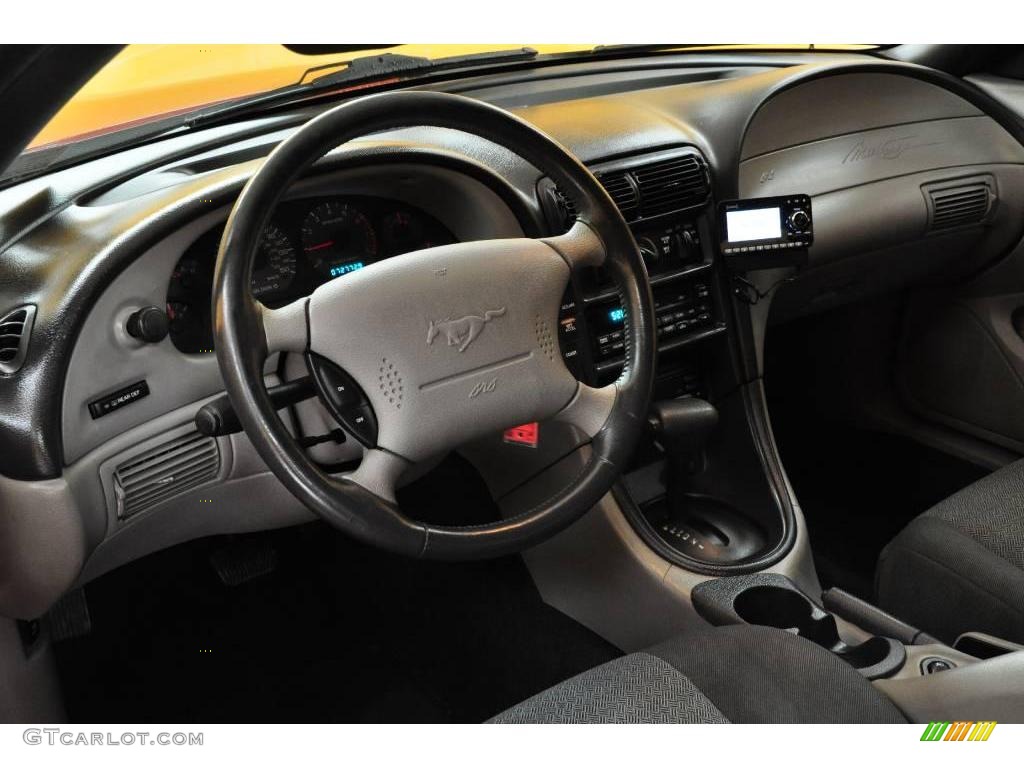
x=617 y=316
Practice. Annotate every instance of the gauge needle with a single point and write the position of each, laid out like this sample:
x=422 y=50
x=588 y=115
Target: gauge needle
x=319 y=246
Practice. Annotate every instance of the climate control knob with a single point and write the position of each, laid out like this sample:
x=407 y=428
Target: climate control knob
x=687 y=247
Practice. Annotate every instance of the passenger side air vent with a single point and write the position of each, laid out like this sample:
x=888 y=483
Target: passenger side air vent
x=959 y=204
x=623 y=192
x=15 y=329
x=163 y=472
x=671 y=184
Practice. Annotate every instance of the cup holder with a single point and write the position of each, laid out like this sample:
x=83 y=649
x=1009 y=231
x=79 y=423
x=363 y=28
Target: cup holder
x=787 y=609
x=773 y=600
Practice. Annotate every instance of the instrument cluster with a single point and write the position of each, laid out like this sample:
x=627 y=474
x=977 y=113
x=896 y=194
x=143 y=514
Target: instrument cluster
x=306 y=243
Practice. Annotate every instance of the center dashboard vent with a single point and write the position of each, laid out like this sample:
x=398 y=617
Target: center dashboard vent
x=622 y=189
x=959 y=204
x=641 y=189
x=671 y=184
x=165 y=471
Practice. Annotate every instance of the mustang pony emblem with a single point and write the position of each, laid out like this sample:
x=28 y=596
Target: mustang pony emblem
x=461 y=333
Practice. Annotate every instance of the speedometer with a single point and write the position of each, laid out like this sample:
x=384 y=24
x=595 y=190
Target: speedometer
x=275 y=265
x=338 y=238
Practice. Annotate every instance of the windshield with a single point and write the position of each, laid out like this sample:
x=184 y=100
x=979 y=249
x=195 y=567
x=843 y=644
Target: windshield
x=149 y=82
x=146 y=83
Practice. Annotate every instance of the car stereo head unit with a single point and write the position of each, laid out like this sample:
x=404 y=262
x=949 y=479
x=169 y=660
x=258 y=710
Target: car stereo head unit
x=766 y=231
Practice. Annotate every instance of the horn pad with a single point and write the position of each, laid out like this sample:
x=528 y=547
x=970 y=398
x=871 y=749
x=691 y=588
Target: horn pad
x=449 y=343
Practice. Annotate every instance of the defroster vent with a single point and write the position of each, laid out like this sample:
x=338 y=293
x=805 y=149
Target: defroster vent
x=165 y=471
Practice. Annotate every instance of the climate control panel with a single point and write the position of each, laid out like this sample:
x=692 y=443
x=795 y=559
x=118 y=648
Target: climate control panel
x=667 y=249
x=592 y=330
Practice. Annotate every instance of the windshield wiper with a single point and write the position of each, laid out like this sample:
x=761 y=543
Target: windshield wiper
x=365 y=70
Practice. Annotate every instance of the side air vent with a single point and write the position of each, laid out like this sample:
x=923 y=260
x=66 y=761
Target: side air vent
x=15 y=329
x=671 y=184
x=163 y=472
x=623 y=192
x=958 y=205
x=560 y=209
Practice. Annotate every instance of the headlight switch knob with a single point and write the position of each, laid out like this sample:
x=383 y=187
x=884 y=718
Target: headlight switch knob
x=148 y=324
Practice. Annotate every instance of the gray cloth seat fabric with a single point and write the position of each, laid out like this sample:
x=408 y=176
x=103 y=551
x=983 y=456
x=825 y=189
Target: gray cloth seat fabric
x=960 y=566
x=738 y=674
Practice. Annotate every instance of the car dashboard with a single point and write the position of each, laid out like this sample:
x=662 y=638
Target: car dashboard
x=669 y=140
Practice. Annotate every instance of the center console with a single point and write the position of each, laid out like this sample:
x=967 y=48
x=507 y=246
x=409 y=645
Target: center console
x=770 y=599
x=978 y=678
x=705 y=504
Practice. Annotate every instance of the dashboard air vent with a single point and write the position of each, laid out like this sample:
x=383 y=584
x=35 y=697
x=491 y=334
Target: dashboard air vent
x=672 y=180
x=623 y=192
x=955 y=206
x=671 y=184
x=165 y=471
x=15 y=329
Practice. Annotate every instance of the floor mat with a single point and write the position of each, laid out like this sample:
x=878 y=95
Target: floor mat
x=337 y=633
x=857 y=487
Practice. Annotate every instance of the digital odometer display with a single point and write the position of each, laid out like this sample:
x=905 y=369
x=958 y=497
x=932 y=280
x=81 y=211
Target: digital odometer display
x=343 y=269
x=753 y=224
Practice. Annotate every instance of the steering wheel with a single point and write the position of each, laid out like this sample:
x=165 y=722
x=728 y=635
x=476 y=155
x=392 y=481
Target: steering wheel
x=435 y=347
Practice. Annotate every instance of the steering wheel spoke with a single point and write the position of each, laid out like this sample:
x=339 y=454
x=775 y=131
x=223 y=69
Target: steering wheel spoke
x=581 y=246
x=286 y=329
x=590 y=408
x=379 y=473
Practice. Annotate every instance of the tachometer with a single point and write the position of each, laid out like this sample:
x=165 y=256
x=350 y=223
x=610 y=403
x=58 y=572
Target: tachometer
x=338 y=238
x=403 y=232
x=275 y=265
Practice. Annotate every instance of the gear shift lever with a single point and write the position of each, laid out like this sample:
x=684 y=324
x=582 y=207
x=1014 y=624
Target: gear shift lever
x=682 y=427
x=695 y=524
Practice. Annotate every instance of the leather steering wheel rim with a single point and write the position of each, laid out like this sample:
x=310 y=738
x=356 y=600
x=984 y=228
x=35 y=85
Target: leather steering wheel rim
x=361 y=504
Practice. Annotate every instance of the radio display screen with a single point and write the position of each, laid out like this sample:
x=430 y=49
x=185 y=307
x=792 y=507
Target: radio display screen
x=766 y=232
x=753 y=224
